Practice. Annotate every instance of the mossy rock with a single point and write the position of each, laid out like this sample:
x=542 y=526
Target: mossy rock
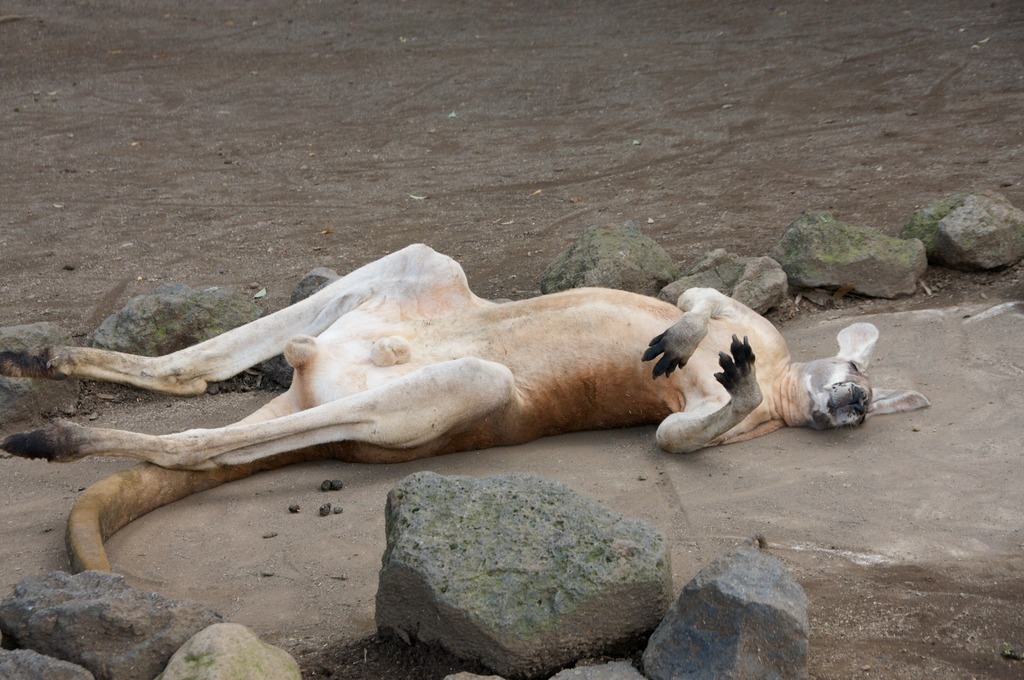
x=229 y=651
x=818 y=251
x=517 y=572
x=924 y=223
x=611 y=257
x=970 y=231
x=172 y=317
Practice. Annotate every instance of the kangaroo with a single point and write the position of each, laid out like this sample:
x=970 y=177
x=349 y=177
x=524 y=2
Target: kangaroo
x=399 y=360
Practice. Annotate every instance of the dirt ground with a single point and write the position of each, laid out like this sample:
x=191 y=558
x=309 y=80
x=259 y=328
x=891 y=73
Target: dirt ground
x=246 y=143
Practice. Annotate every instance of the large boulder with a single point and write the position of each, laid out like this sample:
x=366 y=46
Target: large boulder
x=817 y=251
x=23 y=398
x=969 y=231
x=611 y=257
x=743 y=617
x=229 y=651
x=95 y=620
x=758 y=282
x=173 y=317
x=516 y=572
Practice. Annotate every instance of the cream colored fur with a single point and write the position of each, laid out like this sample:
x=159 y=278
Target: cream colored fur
x=400 y=360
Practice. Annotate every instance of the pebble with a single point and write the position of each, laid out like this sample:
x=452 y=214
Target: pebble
x=293 y=508
x=325 y=509
x=331 y=485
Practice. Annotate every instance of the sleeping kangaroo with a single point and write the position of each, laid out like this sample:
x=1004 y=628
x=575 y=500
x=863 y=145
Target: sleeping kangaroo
x=400 y=360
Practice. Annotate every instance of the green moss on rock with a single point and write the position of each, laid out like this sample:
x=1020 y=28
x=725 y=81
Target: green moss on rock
x=924 y=223
x=816 y=250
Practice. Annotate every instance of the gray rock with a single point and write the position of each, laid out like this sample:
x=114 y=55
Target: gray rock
x=616 y=670
x=816 y=251
x=25 y=664
x=763 y=285
x=313 y=282
x=95 y=620
x=173 y=317
x=741 y=617
x=611 y=257
x=276 y=369
x=517 y=572
x=24 y=398
x=277 y=372
x=969 y=231
x=229 y=651
x=758 y=282
x=924 y=223
x=466 y=675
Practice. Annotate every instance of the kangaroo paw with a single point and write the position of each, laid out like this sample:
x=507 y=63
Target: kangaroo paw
x=37 y=364
x=55 y=444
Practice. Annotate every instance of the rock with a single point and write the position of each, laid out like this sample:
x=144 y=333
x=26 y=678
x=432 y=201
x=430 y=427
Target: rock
x=969 y=231
x=276 y=369
x=95 y=620
x=24 y=398
x=24 y=664
x=173 y=317
x=611 y=257
x=763 y=285
x=277 y=372
x=758 y=282
x=465 y=675
x=616 y=670
x=229 y=651
x=741 y=617
x=516 y=572
x=313 y=282
x=816 y=251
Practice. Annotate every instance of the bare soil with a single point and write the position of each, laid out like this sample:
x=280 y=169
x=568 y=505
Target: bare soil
x=246 y=143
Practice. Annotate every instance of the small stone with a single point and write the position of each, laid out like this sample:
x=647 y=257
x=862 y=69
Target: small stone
x=325 y=485
x=229 y=650
x=336 y=485
x=293 y=508
x=338 y=510
x=1012 y=651
x=325 y=509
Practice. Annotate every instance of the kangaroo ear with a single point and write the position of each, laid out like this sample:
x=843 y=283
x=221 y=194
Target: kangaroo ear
x=885 y=401
x=856 y=342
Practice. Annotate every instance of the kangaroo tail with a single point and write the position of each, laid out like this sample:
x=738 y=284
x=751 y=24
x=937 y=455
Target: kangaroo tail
x=123 y=497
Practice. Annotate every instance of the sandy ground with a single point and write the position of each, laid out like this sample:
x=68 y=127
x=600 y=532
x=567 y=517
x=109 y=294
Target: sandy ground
x=212 y=143
x=907 y=532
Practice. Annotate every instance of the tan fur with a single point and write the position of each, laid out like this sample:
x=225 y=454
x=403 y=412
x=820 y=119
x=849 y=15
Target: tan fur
x=400 y=360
